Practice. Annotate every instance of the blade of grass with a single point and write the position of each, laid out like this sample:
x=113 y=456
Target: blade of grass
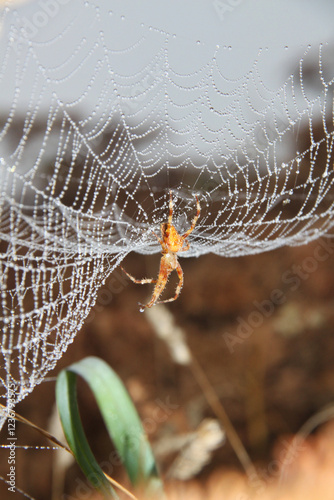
x=74 y=433
x=120 y=417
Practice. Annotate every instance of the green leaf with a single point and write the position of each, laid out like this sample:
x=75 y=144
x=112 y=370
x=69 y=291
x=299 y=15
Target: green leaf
x=121 y=419
x=74 y=433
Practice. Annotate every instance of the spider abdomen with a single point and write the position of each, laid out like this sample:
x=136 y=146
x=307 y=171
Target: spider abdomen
x=170 y=261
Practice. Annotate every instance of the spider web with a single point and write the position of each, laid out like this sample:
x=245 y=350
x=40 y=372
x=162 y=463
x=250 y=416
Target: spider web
x=101 y=115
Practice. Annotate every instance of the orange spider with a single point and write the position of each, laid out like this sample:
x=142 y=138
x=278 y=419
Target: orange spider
x=172 y=243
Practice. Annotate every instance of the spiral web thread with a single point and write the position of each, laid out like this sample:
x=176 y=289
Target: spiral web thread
x=93 y=137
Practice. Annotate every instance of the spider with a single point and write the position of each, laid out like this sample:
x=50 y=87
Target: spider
x=171 y=243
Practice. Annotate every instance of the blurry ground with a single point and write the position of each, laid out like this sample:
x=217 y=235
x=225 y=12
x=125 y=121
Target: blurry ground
x=262 y=329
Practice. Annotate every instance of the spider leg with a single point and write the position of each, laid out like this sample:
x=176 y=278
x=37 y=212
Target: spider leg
x=186 y=247
x=178 y=288
x=139 y=282
x=170 y=217
x=160 y=241
x=194 y=221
